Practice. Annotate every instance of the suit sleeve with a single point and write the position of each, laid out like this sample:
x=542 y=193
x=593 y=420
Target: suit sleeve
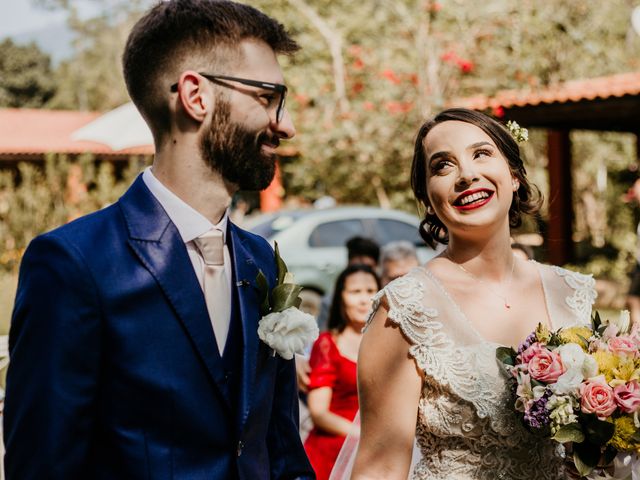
x=55 y=349
x=287 y=456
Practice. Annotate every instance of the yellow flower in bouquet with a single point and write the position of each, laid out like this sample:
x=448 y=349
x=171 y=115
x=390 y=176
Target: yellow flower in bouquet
x=607 y=363
x=625 y=371
x=577 y=335
x=543 y=334
x=624 y=430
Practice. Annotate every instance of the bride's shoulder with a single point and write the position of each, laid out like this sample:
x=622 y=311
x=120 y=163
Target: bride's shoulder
x=570 y=278
x=403 y=302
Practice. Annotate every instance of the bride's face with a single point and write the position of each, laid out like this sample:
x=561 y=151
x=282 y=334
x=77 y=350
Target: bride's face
x=469 y=183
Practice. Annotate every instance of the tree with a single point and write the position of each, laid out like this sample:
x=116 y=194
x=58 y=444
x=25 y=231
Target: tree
x=92 y=78
x=26 y=78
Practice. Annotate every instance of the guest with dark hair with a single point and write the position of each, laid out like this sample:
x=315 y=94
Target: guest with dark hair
x=333 y=393
x=363 y=250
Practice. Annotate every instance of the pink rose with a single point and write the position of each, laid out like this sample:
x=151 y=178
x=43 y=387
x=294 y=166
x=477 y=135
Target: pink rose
x=530 y=352
x=628 y=396
x=597 y=397
x=546 y=366
x=623 y=345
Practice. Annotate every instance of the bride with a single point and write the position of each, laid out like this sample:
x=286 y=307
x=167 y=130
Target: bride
x=426 y=368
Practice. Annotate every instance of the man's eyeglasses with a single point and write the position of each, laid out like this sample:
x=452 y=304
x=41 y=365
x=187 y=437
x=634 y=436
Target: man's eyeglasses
x=279 y=89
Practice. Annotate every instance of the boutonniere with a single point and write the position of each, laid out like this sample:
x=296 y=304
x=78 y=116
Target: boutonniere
x=285 y=328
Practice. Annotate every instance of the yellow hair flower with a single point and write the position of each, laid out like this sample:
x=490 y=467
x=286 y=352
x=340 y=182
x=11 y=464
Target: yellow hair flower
x=607 y=363
x=577 y=335
x=624 y=430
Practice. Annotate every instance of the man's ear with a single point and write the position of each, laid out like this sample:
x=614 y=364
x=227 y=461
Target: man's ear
x=194 y=94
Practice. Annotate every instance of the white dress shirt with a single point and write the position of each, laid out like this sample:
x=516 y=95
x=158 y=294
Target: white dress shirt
x=190 y=224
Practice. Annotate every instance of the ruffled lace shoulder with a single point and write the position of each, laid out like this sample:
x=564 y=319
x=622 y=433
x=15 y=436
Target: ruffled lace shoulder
x=404 y=301
x=582 y=292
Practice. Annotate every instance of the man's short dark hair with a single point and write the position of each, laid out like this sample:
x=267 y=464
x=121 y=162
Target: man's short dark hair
x=362 y=247
x=177 y=35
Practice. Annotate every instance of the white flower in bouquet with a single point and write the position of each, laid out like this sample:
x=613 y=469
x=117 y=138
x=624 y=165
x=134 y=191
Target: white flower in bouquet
x=618 y=326
x=562 y=409
x=288 y=332
x=568 y=382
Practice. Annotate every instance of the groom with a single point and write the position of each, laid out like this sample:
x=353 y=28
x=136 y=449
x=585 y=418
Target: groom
x=134 y=351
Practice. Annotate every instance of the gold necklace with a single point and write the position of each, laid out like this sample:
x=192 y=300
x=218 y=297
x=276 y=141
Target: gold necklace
x=504 y=284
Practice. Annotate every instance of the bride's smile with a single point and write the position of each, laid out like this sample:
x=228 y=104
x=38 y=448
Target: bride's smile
x=468 y=178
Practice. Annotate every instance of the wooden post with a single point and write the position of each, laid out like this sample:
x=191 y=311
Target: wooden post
x=560 y=228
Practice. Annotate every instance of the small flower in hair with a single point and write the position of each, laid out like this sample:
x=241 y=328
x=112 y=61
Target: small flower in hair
x=519 y=133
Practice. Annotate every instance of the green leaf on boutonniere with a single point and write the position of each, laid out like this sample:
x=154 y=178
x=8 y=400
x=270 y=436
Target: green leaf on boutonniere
x=285 y=296
x=282 y=267
x=263 y=288
x=506 y=355
x=569 y=433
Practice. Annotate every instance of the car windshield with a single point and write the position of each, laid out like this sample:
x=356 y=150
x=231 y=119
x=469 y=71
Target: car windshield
x=274 y=224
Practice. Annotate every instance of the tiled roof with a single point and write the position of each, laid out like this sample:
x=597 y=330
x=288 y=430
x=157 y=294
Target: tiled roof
x=571 y=91
x=31 y=131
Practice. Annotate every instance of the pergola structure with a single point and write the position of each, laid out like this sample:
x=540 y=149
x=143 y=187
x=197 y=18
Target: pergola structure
x=604 y=104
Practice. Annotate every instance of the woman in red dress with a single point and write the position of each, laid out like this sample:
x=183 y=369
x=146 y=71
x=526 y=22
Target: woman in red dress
x=333 y=391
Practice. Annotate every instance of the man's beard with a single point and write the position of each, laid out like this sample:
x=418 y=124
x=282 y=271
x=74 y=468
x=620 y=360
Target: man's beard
x=235 y=152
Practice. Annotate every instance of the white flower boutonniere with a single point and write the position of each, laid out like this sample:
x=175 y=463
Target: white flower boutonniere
x=283 y=327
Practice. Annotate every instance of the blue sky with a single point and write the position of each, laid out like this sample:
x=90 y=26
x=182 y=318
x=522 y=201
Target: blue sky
x=20 y=16
x=24 y=22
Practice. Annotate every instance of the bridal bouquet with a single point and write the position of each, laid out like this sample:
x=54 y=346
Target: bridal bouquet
x=581 y=386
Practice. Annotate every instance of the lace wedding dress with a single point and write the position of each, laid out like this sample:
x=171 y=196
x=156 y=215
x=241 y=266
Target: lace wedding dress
x=466 y=427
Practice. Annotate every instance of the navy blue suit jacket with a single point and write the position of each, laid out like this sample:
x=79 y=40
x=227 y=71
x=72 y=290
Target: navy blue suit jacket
x=114 y=370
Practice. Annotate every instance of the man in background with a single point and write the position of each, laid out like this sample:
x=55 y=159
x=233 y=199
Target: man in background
x=397 y=259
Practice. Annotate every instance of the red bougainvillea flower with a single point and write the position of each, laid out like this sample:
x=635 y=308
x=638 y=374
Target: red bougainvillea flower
x=466 y=66
x=391 y=76
x=449 y=56
x=357 y=87
x=399 y=107
x=358 y=64
x=301 y=98
x=498 y=111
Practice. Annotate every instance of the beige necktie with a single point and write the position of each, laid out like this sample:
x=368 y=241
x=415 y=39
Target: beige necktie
x=216 y=287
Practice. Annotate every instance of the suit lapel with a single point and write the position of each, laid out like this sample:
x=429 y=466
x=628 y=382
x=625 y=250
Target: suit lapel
x=246 y=272
x=158 y=245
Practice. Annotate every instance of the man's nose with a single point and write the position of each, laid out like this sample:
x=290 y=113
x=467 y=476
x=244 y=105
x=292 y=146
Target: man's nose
x=284 y=128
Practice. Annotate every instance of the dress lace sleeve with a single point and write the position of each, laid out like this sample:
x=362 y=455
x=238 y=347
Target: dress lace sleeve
x=322 y=362
x=583 y=293
x=403 y=298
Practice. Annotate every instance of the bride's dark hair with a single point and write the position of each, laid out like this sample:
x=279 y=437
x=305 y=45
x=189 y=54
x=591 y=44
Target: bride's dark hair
x=526 y=200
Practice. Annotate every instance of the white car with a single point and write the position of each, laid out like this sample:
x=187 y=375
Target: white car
x=312 y=241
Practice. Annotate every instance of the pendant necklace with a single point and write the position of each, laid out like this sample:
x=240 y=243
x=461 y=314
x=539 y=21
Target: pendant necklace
x=505 y=284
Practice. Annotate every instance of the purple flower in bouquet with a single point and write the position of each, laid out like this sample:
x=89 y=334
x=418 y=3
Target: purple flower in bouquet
x=530 y=340
x=537 y=416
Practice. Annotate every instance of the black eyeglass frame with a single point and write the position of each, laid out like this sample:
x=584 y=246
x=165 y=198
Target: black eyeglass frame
x=274 y=87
